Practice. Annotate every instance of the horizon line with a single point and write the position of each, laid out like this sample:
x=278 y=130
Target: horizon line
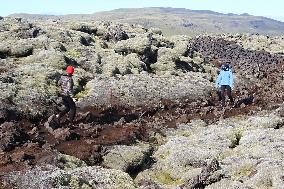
x=50 y=13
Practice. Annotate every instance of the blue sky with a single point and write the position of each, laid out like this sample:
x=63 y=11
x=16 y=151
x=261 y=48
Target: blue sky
x=269 y=8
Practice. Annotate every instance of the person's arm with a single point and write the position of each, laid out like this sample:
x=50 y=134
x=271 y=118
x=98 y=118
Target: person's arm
x=59 y=82
x=70 y=87
x=218 y=80
x=231 y=79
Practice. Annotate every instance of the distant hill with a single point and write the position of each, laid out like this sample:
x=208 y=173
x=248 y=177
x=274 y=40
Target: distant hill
x=184 y=21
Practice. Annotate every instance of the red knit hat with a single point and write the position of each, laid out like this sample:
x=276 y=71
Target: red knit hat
x=70 y=69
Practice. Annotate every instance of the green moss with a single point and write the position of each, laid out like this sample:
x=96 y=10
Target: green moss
x=52 y=90
x=62 y=179
x=165 y=178
x=235 y=139
x=70 y=162
x=76 y=182
x=83 y=93
x=224 y=155
x=186 y=133
x=243 y=170
x=164 y=155
x=265 y=184
x=73 y=54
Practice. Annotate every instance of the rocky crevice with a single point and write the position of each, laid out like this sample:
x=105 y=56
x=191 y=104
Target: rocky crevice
x=147 y=163
x=203 y=179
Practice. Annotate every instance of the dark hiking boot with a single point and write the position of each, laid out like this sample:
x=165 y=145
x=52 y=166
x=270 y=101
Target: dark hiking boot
x=56 y=119
x=69 y=124
x=52 y=123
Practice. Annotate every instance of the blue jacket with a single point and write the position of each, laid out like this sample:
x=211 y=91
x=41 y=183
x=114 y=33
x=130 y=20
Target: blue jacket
x=225 y=78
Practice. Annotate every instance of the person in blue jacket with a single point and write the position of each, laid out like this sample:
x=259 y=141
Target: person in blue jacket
x=224 y=82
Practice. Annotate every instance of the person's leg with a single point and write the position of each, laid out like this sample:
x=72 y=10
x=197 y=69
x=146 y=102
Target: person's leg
x=65 y=102
x=223 y=94
x=72 y=111
x=229 y=93
x=219 y=94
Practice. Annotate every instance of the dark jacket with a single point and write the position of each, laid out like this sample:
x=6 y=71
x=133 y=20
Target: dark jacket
x=66 y=83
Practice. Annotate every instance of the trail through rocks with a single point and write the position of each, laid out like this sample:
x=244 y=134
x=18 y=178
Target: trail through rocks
x=97 y=128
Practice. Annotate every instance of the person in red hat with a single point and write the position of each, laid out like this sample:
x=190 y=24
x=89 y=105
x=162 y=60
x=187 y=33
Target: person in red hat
x=66 y=84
